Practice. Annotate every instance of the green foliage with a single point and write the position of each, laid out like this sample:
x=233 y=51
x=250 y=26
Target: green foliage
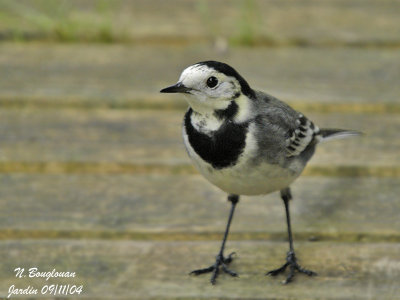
x=95 y=21
x=208 y=18
x=247 y=23
x=62 y=20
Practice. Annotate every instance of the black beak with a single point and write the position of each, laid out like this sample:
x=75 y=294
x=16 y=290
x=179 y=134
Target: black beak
x=176 y=88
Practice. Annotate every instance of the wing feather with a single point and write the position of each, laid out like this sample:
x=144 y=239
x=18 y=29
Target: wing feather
x=301 y=136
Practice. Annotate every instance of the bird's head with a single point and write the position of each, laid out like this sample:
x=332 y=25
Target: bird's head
x=210 y=85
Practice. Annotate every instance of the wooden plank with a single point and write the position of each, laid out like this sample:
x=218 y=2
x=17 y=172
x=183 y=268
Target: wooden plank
x=131 y=76
x=154 y=137
x=159 y=270
x=187 y=207
x=310 y=22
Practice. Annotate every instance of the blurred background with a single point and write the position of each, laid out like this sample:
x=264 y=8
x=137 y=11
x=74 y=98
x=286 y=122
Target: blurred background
x=95 y=179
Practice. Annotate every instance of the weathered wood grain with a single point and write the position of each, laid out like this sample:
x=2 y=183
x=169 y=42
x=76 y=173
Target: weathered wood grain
x=131 y=76
x=135 y=232
x=154 y=137
x=187 y=207
x=158 y=270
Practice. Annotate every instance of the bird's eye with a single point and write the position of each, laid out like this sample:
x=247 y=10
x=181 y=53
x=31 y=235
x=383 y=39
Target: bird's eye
x=212 y=82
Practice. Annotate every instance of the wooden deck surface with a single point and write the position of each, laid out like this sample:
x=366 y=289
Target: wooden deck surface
x=94 y=178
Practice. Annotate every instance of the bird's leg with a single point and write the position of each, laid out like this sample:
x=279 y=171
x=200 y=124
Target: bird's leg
x=221 y=261
x=291 y=260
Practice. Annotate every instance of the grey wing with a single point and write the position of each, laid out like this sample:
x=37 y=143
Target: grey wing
x=285 y=131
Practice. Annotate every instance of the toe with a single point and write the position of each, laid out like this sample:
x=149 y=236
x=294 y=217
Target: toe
x=202 y=271
x=229 y=258
x=214 y=276
x=230 y=272
x=305 y=271
x=277 y=271
x=288 y=279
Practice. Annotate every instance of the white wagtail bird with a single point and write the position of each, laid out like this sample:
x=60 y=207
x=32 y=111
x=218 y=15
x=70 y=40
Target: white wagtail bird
x=245 y=142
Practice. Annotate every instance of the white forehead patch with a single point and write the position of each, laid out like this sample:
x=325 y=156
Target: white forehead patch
x=195 y=74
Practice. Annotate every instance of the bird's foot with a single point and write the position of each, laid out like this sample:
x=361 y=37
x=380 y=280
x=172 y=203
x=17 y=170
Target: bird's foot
x=291 y=262
x=220 y=263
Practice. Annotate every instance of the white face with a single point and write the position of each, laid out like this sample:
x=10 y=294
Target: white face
x=208 y=86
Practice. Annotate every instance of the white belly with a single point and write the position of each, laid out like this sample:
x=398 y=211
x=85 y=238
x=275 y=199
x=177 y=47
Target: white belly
x=256 y=180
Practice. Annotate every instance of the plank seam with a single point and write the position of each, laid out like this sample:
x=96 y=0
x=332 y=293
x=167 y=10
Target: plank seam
x=176 y=169
x=29 y=234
